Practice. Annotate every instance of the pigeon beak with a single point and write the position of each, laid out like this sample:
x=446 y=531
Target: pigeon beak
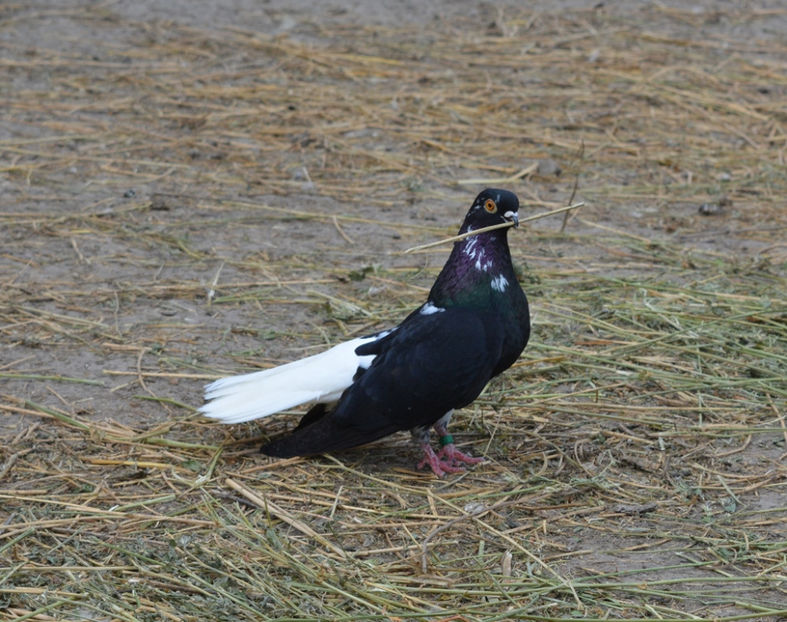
x=513 y=217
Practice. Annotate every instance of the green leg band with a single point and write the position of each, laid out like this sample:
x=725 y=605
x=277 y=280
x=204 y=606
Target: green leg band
x=446 y=440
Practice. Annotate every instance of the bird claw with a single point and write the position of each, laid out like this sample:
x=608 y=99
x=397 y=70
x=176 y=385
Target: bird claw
x=454 y=455
x=447 y=460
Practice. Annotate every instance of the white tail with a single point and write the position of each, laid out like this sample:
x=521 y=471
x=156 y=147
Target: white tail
x=318 y=378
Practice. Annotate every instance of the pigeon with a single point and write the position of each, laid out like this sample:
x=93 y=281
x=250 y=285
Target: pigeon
x=474 y=325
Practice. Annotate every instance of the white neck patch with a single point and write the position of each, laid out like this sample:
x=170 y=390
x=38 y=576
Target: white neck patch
x=500 y=283
x=473 y=251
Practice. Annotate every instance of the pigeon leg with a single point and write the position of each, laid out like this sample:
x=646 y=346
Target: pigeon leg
x=439 y=467
x=449 y=451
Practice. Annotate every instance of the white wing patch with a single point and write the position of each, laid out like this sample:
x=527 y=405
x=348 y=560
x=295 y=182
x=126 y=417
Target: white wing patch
x=430 y=308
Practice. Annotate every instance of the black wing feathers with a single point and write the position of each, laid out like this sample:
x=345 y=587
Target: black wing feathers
x=428 y=366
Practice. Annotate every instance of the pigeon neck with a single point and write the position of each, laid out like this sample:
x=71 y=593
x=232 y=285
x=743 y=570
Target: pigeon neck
x=478 y=270
x=485 y=251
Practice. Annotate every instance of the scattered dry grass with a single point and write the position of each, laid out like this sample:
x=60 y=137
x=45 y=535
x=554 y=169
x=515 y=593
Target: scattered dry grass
x=183 y=202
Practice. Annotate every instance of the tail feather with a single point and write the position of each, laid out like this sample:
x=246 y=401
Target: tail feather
x=323 y=435
x=320 y=378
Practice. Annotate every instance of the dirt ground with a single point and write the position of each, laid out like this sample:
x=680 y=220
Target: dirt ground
x=195 y=189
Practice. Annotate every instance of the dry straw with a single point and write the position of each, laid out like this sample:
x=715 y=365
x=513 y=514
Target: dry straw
x=502 y=225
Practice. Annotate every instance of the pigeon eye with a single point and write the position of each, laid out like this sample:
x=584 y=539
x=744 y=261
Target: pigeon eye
x=490 y=206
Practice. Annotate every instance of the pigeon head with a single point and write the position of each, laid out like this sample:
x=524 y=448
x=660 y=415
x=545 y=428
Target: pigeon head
x=479 y=272
x=492 y=207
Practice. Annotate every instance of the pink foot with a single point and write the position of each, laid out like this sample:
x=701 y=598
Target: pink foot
x=439 y=467
x=447 y=460
x=454 y=455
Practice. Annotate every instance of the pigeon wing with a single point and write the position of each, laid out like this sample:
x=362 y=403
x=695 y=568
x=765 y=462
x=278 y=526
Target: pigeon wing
x=431 y=364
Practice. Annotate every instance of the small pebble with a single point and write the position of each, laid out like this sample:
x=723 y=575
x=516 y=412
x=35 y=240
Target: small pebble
x=710 y=209
x=158 y=203
x=548 y=167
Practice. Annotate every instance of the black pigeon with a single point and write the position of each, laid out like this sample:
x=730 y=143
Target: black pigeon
x=474 y=325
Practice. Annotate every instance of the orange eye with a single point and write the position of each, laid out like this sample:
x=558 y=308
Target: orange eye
x=490 y=206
